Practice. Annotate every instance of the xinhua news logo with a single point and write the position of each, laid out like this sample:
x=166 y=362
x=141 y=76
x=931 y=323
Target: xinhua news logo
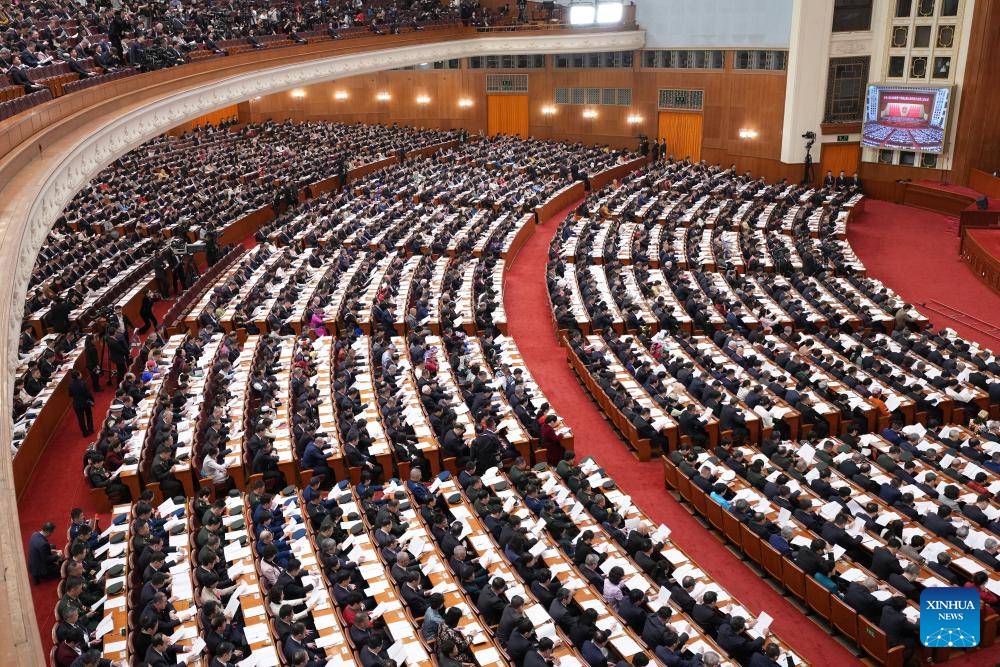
x=949 y=617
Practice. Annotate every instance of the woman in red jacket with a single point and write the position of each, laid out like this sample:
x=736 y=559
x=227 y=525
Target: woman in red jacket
x=550 y=440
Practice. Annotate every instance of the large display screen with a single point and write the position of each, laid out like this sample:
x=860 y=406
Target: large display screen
x=899 y=117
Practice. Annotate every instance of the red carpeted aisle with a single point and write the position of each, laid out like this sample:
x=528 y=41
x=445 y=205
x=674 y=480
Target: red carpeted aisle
x=56 y=487
x=915 y=252
x=530 y=322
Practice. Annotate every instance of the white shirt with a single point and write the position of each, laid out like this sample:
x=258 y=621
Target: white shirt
x=214 y=470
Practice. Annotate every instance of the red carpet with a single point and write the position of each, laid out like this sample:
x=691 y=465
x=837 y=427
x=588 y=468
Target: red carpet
x=915 y=252
x=988 y=239
x=58 y=486
x=530 y=322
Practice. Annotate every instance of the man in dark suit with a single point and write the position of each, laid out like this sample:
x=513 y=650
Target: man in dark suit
x=940 y=523
x=859 y=596
x=43 y=558
x=975 y=511
x=735 y=643
x=137 y=52
x=541 y=656
x=161 y=655
x=681 y=594
x=296 y=642
x=708 y=615
x=655 y=629
x=18 y=75
x=898 y=629
x=885 y=560
x=490 y=604
x=812 y=559
x=906 y=583
x=988 y=554
x=769 y=658
x=940 y=567
x=828 y=180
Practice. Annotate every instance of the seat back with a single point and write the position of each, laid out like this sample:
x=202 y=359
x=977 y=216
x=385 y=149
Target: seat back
x=794 y=578
x=771 y=559
x=843 y=617
x=751 y=544
x=818 y=597
x=873 y=641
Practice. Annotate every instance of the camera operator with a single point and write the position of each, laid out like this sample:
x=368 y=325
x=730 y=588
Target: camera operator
x=211 y=238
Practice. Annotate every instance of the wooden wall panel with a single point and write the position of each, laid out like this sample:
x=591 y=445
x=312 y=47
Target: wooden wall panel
x=217 y=116
x=984 y=182
x=733 y=100
x=977 y=137
x=879 y=180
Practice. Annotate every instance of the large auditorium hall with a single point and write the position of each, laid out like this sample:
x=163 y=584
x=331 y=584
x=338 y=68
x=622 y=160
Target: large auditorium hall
x=489 y=333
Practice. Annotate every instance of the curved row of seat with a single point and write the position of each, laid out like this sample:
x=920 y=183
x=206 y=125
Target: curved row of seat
x=728 y=324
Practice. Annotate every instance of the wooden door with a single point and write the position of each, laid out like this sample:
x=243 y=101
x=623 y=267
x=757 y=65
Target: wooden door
x=507 y=114
x=682 y=130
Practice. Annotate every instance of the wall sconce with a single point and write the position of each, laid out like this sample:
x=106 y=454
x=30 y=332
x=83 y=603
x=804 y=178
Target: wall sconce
x=423 y=99
x=256 y=98
x=633 y=119
x=383 y=97
x=340 y=95
x=298 y=92
x=465 y=103
x=548 y=110
x=590 y=113
x=747 y=134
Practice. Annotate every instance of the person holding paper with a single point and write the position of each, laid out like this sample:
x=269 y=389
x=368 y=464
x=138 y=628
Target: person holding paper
x=162 y=610
x=733 y=641
x=899 y=630
x=769 y=658
x=374 y=653
x=69 y=648
x=161 y=652
x=859 y=595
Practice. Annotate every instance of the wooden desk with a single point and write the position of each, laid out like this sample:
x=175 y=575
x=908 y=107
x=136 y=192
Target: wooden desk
x=931 y=198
